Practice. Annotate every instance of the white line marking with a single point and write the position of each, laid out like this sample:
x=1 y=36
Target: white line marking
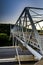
x=8 y=60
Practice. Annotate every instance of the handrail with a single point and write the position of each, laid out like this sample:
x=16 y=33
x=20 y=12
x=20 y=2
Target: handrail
x=34 y=52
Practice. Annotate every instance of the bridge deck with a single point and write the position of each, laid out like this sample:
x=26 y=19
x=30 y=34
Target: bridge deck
x=9 y=55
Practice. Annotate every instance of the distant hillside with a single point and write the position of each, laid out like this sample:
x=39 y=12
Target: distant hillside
x=5 y=28
x=4 y=35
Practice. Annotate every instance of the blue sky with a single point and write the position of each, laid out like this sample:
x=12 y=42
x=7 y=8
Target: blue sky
x=11 y=9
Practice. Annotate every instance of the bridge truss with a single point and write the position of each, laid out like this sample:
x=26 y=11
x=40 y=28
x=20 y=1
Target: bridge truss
x=25 y=30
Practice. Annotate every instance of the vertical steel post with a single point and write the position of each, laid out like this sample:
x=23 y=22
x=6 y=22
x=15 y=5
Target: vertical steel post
x=26 y=20
x=13 y=39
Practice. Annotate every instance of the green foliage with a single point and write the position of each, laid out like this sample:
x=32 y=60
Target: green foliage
x=5 y=28
x=3 y=36
x=4 y=40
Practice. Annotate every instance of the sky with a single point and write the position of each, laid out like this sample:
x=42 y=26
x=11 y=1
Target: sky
x=11 y=9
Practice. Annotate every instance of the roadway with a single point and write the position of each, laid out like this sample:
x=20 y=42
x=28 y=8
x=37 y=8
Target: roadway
x=10 y=52
x=7 y=55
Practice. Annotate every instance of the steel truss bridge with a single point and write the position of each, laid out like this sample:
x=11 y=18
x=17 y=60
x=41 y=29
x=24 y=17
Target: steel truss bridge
x=25 y=31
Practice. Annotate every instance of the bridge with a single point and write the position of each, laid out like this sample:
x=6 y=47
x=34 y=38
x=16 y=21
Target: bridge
x=25 y=33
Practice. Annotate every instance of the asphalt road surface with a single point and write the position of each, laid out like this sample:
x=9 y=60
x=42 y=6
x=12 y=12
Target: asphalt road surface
x=25 y=63
x=10 y=52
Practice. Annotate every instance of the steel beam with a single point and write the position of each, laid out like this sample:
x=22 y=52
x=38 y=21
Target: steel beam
x=35 y=53
x=34 y=8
